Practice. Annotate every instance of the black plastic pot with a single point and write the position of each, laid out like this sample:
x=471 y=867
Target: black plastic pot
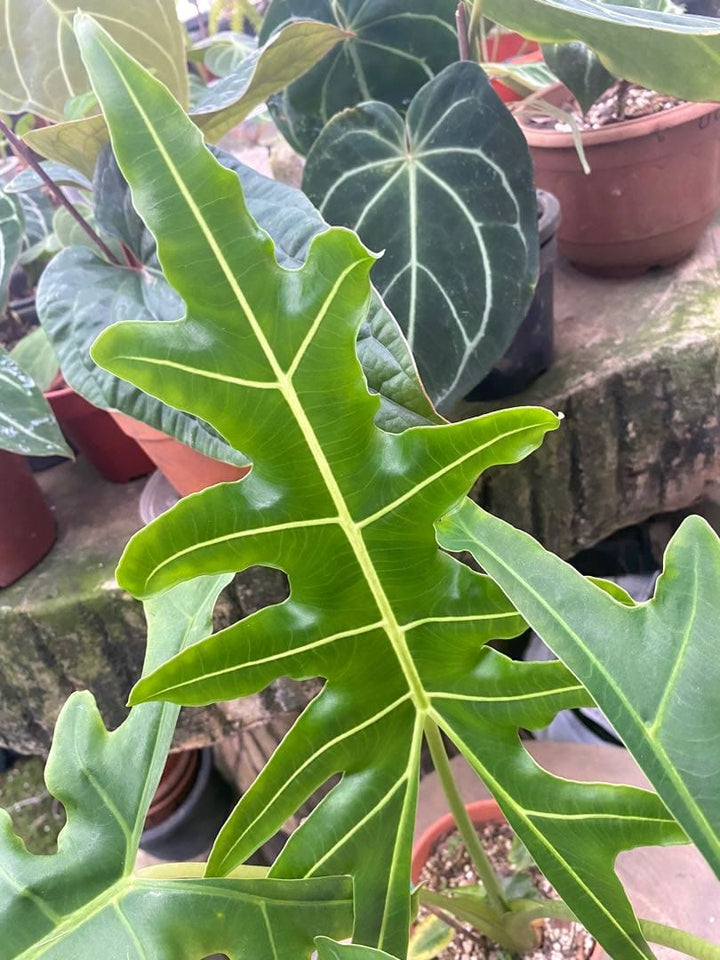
x=191 y=828
x=531 y=352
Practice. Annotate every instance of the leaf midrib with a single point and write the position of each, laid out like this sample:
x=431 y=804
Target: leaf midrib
x=350 y=528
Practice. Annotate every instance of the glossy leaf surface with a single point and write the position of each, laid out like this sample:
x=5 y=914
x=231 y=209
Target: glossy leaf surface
x=395 y=48
x=84 y=901
x=27 y=424
x=651 y=667
x=397 y=628
x=40 y=65
x=673 y=53
x=448 y=194
x=580 y=70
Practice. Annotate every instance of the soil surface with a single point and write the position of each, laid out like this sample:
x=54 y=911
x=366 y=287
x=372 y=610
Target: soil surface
x=621 y=102
x=450 y=866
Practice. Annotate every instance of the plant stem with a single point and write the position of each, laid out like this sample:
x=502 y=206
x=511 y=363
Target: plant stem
x=461 y=21
x=477 y=30
x=659 y=933
x=27 y=155
x=467 y=831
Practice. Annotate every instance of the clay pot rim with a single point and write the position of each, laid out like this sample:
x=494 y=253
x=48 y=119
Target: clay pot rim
x=480 y=811
x=616 y=132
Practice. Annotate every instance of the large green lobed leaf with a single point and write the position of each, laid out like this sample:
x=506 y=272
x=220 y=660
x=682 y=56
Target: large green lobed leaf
x=40 y=65
x=397 y=628
x=448 y=194
x=394 y=47
x=652 y=667
x=673 y=53
x=86 y=902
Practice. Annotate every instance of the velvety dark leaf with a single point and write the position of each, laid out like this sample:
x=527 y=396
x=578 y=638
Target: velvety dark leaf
x=395 y=626
x=580 y=70
x=12 y=229
x=448 y=194
x=395 y=48
x=29 y=179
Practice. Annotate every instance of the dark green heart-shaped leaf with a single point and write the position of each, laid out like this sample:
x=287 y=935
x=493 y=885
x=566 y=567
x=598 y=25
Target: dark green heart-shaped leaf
x=448 y=194
x=397 y=627
x=38 y=213
x=396 y=46
x=40 y=66
x=652 y=668
x=672 y=53
x=579 y=69
x=27 y=424
x=12 y=229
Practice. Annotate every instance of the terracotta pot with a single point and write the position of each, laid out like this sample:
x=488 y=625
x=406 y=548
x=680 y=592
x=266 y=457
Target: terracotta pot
x=27 y=525
x=653 y=189
x=186 y=469
x=98 y=437
x=481 y=811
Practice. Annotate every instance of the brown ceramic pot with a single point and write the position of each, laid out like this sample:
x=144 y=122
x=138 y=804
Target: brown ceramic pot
x=96 y=435
x=653 y=189
x=27 y=525
x=186 y=469
x=481 y=811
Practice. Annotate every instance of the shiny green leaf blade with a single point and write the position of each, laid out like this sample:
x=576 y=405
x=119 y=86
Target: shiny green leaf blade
x=429 y=938
x=396 y=627
x=262 y=347
x=330 y=950
x=395 y=48
x=652 y=667
x=449 y=195
x=12 y=229
x=580 y=70
x=40 y=66
x=27 y=424
x=285 y=57
x=675 y=54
